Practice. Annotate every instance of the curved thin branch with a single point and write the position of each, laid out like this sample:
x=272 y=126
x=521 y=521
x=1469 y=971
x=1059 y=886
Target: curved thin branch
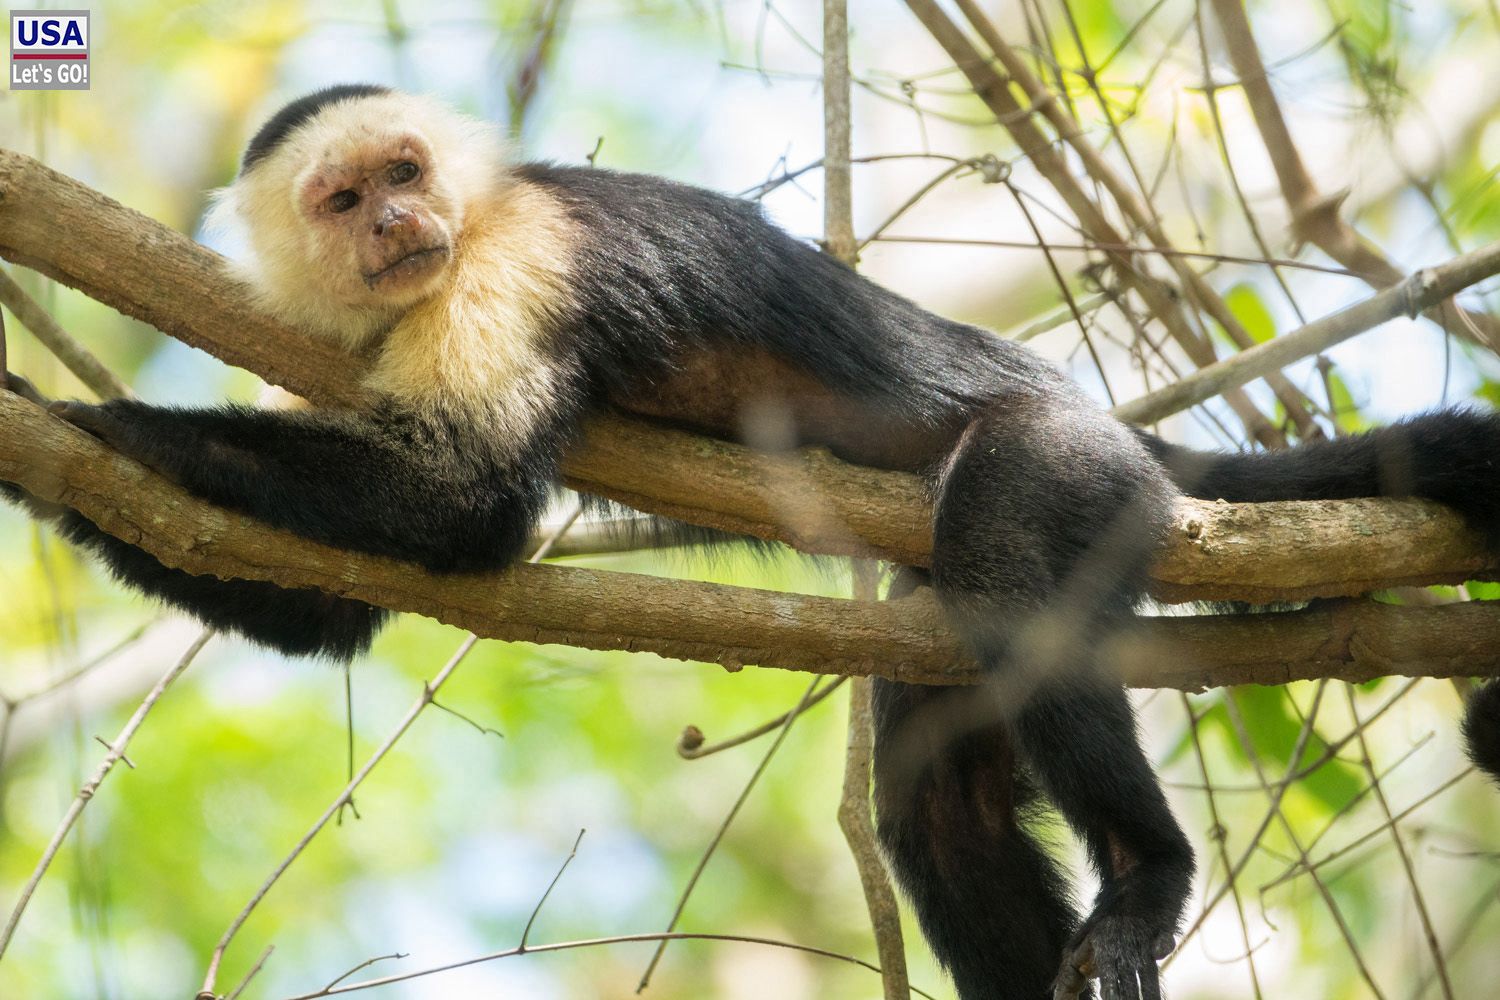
x=1423 y=290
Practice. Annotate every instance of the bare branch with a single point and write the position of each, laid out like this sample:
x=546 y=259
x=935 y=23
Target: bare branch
x=593 y=943
x=536 y=910
x=1408 y=297
x=346 y=796
x=691 y=745
x=1315 y=216
x=115 y=755
x=858 y=825
x=718 y=837
x=74 y=356
x=994 y=89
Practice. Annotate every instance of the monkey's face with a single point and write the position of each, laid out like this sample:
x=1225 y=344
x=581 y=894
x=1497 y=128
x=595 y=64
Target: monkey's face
x=382 y=222
x=356 y=215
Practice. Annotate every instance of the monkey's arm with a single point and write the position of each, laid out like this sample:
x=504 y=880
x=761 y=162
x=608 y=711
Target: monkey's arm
x=388 y=483
x=298 y=622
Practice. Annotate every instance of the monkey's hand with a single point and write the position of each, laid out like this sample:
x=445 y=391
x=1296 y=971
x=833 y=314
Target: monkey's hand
x=183 y=445
x=22 y=387
x=97 y=420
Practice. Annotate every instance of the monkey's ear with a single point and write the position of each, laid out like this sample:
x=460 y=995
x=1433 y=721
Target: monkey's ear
x=226 y=231
x=222 y=219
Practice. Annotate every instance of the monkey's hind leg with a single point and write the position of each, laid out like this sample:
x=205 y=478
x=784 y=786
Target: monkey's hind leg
x=952 y=813
x=1046 y=522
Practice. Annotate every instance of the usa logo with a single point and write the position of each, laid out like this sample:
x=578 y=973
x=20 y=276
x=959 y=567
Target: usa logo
x=49 y=50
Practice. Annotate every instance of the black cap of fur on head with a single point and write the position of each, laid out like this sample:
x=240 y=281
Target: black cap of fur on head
x=283 y=122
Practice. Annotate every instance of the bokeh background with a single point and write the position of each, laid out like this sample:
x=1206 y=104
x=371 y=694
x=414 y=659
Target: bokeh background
x=460 y=831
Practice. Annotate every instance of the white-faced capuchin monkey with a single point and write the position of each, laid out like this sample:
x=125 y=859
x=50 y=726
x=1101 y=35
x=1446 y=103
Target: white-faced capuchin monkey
x=502 y=304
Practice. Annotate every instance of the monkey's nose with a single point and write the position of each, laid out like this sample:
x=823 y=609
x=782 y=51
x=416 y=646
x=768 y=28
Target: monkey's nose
x=394 y=220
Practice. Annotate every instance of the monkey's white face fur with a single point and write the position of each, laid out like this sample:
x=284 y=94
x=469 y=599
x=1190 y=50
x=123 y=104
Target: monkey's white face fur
x=392 y=220
x=356 y=216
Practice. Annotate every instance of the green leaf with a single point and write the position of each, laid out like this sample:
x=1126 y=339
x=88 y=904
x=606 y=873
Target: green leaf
x=1275 y=728
x=1249 y=308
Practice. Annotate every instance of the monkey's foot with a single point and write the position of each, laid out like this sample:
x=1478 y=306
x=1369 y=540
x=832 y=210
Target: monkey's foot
x=1120 y=951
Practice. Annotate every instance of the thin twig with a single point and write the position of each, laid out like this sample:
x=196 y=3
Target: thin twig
x=254 y=970
x=718 y=836
x=996 y=91
x=1067 y=294
x=429 y=689
x=526 y=933
x=594 y=943
x=74 y=356
x=1429 y=933
x=1466 y=927
x=365 y=965
x=90 y=787
x=1413 y=294
x=1211 y=95
x=1242 y=731
x=1139 y=213
x=1220 y=839
x=1306 y=867
x=1275 y=790
x=429 y=692
x=1116 y=248
x=691 y=746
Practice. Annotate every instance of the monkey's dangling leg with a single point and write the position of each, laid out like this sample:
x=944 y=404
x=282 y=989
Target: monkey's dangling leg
x=1046 y=522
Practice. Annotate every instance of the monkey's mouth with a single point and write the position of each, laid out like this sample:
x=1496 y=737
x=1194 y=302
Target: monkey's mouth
x=414 y=264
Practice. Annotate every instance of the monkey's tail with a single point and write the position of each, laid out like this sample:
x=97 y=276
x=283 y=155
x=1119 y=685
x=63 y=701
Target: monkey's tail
x=1482 y=729
x=1452 y=456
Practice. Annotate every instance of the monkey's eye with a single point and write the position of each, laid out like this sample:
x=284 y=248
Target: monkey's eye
x=403 y=172
x=342 y=201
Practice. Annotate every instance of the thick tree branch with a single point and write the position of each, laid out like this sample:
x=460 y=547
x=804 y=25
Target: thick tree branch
x=75 y=235
x=1219 y=551
x=903 y=639
x=808 y=499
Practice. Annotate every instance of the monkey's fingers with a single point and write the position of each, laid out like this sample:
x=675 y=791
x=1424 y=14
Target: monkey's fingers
x=1070 y=984
x=22 y=387
x=97 y=420
x=1077 y=970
